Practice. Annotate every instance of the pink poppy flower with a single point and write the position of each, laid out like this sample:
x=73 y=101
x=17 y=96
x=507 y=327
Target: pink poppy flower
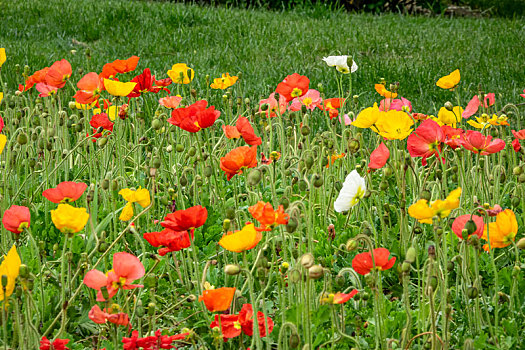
x=426 y=141
x=311 y=99
x=473 y=105
x=459 y=224
x=348 y=121
x=395 y=104
x=476 y=142
x=46 y=90
x=170 y=101
x=274 y=107
x=101 y=316
x=379 y=157
x=126 y=269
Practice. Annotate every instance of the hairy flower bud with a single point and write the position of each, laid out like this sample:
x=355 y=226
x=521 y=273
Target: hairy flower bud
x=307 y=260
x=315 y=272
x=232 y=269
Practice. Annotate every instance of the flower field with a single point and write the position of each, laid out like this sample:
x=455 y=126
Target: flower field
x=157 y=209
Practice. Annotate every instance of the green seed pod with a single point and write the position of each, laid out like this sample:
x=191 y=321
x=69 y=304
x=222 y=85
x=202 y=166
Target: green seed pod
x=179 y=148
x=151 y=309
x=410 y=255
x=156 y=163
x=254 y=177
x=22 y=138
x=226 y=224
x=156 y=124
x=315 y=272
x=292 y=225
x=105 y=184
x=317 y=180
x=294 y=276
x=305 y=130
x=471 y=227
x=192 y=151
x=433 y=282
x=472 y=292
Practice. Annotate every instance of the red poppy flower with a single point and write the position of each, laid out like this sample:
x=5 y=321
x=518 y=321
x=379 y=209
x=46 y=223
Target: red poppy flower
x=58 y=74
x=459 y=224
x=363 y=262
x=473 y=105
x=101 y=316
x=452 y=136
x=269 y=218
x=230 y=325
x=134 y=342
x=426 y=141
x=2 y=124
x=218 y=299
x=293 y=86
x=37 y=77
x=58 y=344
x=194 y=117
x=238 y=159
x=332 y=105
x=520 y=134
x=247 y=132
x=379 y=157
x=476 y=142
x=231 y=132
x=98 y=121
x=516 y=145
x=186 y=220
x=172 y=241
x=246 y=321
x=146 y=83
x=89 y=87
x=341 y=298
x=119 y=66
x=16 y=219
x=65 y=192
x=126 y=269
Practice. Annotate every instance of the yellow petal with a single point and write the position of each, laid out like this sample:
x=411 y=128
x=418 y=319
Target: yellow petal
x=127 y=213
x=367 y=117
x=10 y=267
x=421 y=211
x=142 y=197
x=128 y=194
x=2 y=57
x=118 y=88
x=3 y=141
x=241 y=240
x=179 y=73
x=112 y=112
x=449 y=81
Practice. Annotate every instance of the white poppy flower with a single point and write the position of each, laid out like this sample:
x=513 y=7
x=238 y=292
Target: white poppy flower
x=354 y=189
x=341 y=64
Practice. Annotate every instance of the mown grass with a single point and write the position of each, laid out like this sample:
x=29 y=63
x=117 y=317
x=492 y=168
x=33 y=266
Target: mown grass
x=266 y=46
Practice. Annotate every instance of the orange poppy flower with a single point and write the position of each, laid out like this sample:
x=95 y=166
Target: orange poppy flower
x=186 y=220
x=170 y=101
x=363 y=263
x=119 y=66
x=218 y=299
x=502 y=232
x=89 y=87
x=58 y=74
x=242 y=128
x=381 y=90
x=240 y=241
x=333 y=158
x=239 y=159
x=269 y=218
x=332 y=105
x=194 y=117
x=231 y=132
x=293 y=86
x=65 y=192
x=38 y=77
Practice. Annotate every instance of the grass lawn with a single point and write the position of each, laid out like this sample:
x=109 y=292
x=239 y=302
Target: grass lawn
x=266 y=46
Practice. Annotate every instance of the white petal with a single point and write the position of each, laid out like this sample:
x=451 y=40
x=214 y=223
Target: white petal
x=353 y=187
x=354 y=67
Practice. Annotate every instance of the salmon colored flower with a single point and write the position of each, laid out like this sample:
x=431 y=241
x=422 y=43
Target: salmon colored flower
x=194 y=117
x=332 y=158
x=3 y=57
x=242 y=240
x=399 y=104
x=101 y=316
x=217 y=300
x=65 y=192
x=293 y=86
x=274 y=107
x=381 y=90
x=367 y=118
x=169 y=240
x=426 y=141
x=10 y=267
x=146 y=83
x=501 y=233
x=460 y=222
x=16 y=219
x=118 y=88
x=186 y=220
x=58 y=74
x=111 y=69
x=231 y=132
x=363 y=263
x=311 y=99
x=90 y=87
x=394 y=125
x=419 y=116
x=423 y=212
x=68 y=219
x=267 y=216
x=170 y=101
x=239 y=159
x=476 y=142
x=45 y=90
x=449 y=81
x=446 y=117
x=57 y=344
x=379 y=157
x=224 y=82
x=452 y=136
x=126 y=269
x=473 y=105
x=180 y=73
x=246 y=320
x=332 y=105
x=246 y=131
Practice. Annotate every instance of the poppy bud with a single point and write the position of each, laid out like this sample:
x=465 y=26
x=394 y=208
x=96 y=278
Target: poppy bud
x=102 y=247
x=472 y=292
x=307 y=260
x=315 y=272
x=450 y=266
x=22 y=138
x=370 y=280
x=405 y=267
x=353 y=145
x=294 y=340
x=521 y=244
x=516 y=271
x=432 y=282
x=331 y=231
x=284 y=267
x=18 y=291
x=226 y=225
x=474 y=241
x=431 y=251
x=156 y=124
x=383 y=185
x=309 y=162
x=449 y=106
x=254 y=177
x=351 y=245
x=23 y=271
x=232 y=270
x=151 y=309
x=305 y=130
x=292 y=224
x=411 y=255
x=101 y=142
x=285 y=202
x=317 y=180
x=294 y=276
x=303 y=185
x=105 y=184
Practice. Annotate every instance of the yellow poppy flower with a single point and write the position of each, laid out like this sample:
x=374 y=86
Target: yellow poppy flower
x=394 y=125
x=449 y=81
x=179 y=73
x=367 y=117
x=502 y=232
x=10 y=267
x=85 y=106
x=127 y=213
x=2 y=56
x=118 y=88
x=141 y=196
x=1 y=96
x=3 y=141
x=381 y=90
x=423 y=212
x=446 y=117
x=485 y=121
x=69 y=219
x=224 y=82
x=242 y=240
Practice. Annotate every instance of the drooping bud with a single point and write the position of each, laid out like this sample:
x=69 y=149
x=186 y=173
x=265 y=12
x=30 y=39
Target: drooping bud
x=351 y=245
x=315 y=272
x=411 y=255
x=307 y=260
x=232 y=269
x=521 y=244
x=254 y=177
x=449 y=106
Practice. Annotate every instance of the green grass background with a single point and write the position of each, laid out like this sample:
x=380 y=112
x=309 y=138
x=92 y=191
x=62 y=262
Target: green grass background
x=266 y=46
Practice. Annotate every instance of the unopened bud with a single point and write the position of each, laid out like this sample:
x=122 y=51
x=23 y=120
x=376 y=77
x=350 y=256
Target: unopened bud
x=315 y=272
x=307 y=260
x=232 y=269
x=351 y=245
x=411 y=255
x=449 y=106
